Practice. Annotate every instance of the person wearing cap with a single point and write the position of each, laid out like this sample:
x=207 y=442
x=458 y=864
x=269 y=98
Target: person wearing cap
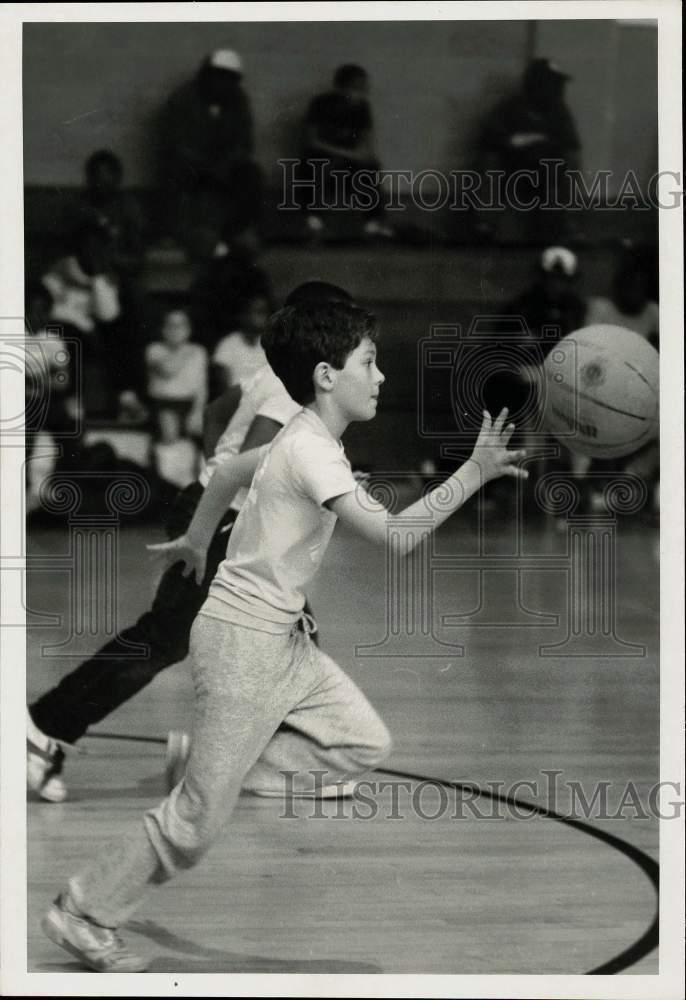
x=548 y=310
x=552 y=302
x=533 y=126
x=211 y=187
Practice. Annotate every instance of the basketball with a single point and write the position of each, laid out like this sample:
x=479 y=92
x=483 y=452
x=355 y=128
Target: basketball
x=601 y=391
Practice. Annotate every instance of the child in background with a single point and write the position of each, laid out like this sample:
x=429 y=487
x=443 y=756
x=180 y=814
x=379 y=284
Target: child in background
x=85 y=303
x=239 y=354
x=177 y=392
x=51 y=407
x=629 y=304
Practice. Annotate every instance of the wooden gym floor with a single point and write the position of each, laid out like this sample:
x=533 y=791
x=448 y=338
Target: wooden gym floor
x=465 y=892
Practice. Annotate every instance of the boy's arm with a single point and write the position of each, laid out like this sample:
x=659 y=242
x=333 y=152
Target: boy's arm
x=191 y=548
x=489 y=460
x=232 y=472
x=216 y=416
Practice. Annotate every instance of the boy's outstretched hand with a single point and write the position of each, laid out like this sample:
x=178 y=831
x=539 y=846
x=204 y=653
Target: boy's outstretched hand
x=490 y=451
x=181 y=549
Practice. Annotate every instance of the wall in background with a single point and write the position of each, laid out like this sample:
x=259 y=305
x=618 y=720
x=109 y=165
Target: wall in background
x=92 y=85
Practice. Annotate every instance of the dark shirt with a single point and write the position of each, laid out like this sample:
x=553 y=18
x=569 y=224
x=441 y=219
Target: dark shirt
x=201 y=140
x=566 y=314
x=339 y=121
x=556 y=126
x=122 y=219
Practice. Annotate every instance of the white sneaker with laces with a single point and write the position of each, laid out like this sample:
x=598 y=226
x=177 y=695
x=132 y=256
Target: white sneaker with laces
x=99 y=948
x=44 y=762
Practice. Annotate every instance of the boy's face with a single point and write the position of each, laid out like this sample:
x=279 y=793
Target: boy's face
x=357 y=384
x=176 y=328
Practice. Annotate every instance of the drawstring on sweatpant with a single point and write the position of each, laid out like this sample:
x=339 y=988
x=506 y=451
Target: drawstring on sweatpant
x=306 y=624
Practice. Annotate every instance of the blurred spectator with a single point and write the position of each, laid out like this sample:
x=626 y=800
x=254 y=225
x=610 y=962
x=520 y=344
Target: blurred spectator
x=177 y=377
x=240 y=353
x=629 y=304
x=85 y=304
x=552 y=303
x=210 y=182
x=177 y=393
x=220 y=290
x=551 y=308
x=339 y=130
x=105 y=205
x=51 y=407
x=523 y=131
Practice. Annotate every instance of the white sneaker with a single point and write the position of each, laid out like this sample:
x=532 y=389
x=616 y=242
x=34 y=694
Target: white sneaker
x=44 y=763
x=99 y=948
x=375 y=228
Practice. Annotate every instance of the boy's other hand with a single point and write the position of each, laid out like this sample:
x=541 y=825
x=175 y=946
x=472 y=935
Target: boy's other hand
x=182 y=550
x=490 y=451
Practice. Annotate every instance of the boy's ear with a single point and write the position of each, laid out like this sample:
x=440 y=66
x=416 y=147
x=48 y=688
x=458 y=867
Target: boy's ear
x=324 y=376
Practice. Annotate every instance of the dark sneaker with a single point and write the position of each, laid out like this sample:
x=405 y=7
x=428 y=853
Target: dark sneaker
x=98 y=948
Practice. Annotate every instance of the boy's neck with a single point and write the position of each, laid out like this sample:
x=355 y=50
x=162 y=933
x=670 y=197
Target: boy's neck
x=329 y=415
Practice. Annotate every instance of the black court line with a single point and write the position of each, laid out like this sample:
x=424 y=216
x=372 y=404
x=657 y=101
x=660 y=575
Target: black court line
x=647 y=942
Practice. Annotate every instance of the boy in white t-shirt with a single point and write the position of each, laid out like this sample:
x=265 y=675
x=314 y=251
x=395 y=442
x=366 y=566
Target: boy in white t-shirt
x=254 y=666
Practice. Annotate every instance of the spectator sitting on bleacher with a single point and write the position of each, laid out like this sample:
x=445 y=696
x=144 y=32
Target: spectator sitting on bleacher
x=85 y=304
x=552 y=301
x=105 y=205
x=240 y=353
x=339 y=130
x=209 y=181
x=521 y=133
x=52 y=409
x=83 y=289
x=629 y=304
x=551 y=308
x=177 y=393
x=220 y=290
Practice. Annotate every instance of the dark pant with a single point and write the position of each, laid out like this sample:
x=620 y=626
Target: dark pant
x=100 y=685
x=328 y=191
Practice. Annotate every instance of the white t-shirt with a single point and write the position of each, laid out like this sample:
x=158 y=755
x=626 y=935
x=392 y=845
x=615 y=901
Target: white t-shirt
x=240 y=358
x=281 y=534
x=646 y=323
x=177 y=373
x=262 y=395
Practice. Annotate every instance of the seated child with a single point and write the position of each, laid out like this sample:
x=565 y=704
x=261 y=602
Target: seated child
x=177 y=392
x=240 y=354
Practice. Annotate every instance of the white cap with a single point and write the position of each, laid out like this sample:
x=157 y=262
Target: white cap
x=561 y=257
x=226 y=59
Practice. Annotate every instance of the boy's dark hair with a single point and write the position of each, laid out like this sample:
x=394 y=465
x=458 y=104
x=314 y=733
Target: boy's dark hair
x=317 y=291
x=348 y=74
x=299 y=337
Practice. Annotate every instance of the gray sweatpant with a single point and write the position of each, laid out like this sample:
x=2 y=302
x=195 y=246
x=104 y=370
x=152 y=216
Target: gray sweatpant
x=264 y=704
